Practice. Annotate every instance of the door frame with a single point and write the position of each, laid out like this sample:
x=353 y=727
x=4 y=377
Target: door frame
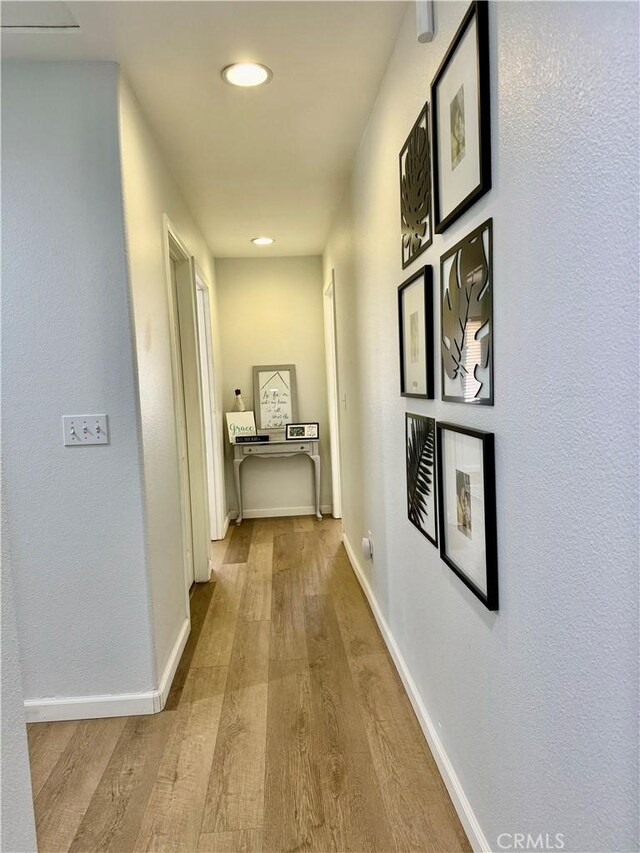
x=331 y=356
x=174 y=250
x=212 y=417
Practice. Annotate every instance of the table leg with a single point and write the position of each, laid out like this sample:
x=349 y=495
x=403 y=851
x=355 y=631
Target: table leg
x=316 y=468
x=236 y=473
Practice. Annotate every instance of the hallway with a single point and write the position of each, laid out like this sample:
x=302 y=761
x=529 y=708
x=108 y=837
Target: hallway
x=287 y=727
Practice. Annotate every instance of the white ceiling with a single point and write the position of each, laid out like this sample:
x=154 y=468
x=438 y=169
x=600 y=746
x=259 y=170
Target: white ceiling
x=271 y=160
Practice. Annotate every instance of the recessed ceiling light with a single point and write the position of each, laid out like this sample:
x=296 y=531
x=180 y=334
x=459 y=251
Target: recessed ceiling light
x=263 y=241
x=246 y=74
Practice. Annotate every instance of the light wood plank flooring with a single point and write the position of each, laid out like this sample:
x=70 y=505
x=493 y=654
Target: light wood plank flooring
x=287 y=727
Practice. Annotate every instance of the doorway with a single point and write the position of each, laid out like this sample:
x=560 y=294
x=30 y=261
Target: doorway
x=188 y=408
x=331 y=355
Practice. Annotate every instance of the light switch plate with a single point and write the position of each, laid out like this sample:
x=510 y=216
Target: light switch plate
x=79 y=430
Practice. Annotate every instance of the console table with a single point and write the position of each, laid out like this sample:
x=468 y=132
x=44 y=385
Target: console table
x=275 y=449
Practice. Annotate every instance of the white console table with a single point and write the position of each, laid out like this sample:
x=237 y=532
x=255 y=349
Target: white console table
x=275 y=449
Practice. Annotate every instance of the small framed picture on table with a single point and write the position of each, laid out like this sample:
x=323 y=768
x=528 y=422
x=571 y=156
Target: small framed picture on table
x=303 y=432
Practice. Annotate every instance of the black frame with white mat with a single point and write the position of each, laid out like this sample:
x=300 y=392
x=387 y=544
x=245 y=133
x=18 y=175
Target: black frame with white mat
x=461 y=121
x=467 y=508
x=415 y=298
x=309 y=431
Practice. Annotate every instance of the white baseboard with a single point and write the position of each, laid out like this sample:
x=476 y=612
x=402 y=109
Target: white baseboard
x=166 y=680
x=114 y=704
x=462 y=805
x=89 y=707
x=226 y=525
x=279 y=512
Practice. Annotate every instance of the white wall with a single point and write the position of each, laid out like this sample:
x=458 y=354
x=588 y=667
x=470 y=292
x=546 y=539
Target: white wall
x=536 y=705
x=74 y=515
x=270 y=312
x=150 y=192
x=17 y=824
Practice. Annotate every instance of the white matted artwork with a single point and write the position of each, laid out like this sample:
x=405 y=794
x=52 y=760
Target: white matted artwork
x=275 y=395
x=460 y=118
x=458 y=127
x=240 y=423
x=415 y=319
x=466 y=493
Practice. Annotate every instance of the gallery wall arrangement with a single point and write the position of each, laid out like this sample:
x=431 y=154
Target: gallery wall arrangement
x=450 y=468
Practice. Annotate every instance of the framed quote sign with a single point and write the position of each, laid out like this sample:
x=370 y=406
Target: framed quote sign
x=275 y=399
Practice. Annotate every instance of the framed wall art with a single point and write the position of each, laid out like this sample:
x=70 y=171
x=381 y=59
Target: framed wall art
x=421 y=480
x=466 y=299
x=415 y=190
x=275 y=396
x=467 y=502
x=415 y=322
x=460 y=120
x=308 y=432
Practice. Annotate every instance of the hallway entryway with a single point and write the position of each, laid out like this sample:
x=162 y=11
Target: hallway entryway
x=287 y=727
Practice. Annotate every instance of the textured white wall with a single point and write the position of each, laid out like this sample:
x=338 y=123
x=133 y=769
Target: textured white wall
x=74 y=516
x=270 y=312
x=17 y=824
x=149 y=192
x=536 y=705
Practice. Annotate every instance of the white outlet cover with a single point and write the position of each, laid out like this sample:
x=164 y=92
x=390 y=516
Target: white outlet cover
x=80 y=430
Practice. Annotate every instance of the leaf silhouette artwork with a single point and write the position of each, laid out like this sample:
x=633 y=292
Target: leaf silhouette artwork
x=415 y=190
x=421 y=504
x=467 y=319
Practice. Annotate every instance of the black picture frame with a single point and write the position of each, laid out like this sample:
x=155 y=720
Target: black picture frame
x=487 y=440
x=426 y=274
x=289 y=428
x=416 y=190
x=479 y=11
x=420 y=453
x=478 y=296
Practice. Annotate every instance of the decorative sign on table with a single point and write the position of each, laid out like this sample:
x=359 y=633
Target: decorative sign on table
x=310 y=431
x=274 y=394
x=252 y=439
x=240 y=424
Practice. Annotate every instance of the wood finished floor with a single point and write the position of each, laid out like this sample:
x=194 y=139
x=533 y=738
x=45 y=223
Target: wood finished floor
x=286 y=729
